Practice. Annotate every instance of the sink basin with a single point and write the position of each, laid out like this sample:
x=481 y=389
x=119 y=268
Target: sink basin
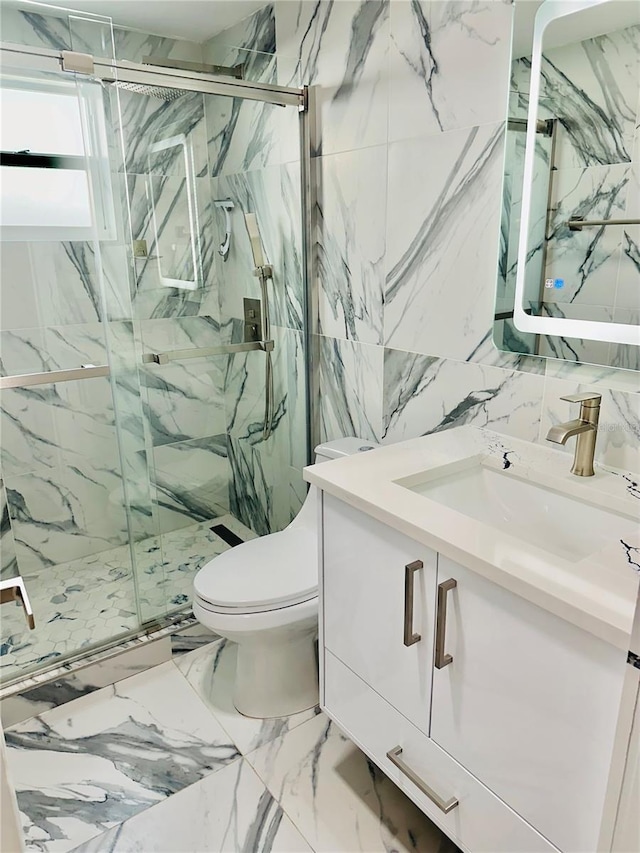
x=563 y=524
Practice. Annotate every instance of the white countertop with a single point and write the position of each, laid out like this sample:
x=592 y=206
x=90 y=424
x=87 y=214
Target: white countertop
x=597 y=593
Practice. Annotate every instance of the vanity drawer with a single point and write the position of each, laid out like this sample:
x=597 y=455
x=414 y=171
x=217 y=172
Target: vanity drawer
x=480 y=822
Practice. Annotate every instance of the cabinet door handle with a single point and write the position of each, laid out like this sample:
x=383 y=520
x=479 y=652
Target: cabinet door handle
x=443 y=659
x=444 y=805
x=409 y=571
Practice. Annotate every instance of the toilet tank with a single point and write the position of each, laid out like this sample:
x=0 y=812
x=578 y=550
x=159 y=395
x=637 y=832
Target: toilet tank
x=342 y=447
x=324 y=453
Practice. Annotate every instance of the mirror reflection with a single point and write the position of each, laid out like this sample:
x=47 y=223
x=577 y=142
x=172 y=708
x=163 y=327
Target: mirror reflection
x=583 y=248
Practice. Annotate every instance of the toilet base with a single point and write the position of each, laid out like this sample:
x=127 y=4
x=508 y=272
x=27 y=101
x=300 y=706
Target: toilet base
x=278 y=678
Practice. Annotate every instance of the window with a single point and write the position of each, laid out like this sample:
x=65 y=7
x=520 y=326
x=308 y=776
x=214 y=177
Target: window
x=44 y=178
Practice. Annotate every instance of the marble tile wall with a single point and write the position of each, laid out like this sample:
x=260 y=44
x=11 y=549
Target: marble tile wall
x=254 y=161
x=409 y=173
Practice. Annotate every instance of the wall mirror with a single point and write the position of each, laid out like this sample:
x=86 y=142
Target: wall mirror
x=569 y=272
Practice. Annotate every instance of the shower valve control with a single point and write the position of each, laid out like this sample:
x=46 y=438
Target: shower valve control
x=252 y=320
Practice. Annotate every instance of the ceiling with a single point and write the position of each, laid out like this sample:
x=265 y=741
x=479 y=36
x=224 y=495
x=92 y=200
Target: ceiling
x=196 y=20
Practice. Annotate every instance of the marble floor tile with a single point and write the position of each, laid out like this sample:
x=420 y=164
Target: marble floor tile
x=211 y=672
x=229 y=811
x=337 y=798
x=87 y=766
x=89 y=601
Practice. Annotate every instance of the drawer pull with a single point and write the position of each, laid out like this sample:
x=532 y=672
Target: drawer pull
x=442 y=658
x=409 y=571
x=444 y=805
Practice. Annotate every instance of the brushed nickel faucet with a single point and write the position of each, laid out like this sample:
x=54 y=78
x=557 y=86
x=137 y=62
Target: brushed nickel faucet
x=585 y=427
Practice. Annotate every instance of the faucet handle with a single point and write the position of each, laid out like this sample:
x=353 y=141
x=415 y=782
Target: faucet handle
x=589 y=400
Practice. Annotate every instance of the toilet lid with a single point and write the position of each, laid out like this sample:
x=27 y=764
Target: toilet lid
x=280 y=569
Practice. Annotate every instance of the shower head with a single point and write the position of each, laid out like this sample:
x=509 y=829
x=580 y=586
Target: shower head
x=162 y=93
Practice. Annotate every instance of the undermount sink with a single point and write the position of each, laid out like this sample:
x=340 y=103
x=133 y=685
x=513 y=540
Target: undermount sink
x=563 y=524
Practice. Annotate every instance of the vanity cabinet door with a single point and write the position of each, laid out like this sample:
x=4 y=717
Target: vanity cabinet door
x=364 y=607
x=528 y=704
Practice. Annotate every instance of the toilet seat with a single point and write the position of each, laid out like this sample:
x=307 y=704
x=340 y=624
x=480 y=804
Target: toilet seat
x=272 y=572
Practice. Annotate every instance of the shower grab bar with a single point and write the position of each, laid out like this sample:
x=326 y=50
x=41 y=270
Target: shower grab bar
x=26 y=380
x=577 y=223
x=204 y=352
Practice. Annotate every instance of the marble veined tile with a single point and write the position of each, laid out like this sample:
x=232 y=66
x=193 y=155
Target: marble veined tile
x=70 y=685
x=586 y=261
x=64 y=277
x=27 y=27
x=342 y=48
x=430 y=89
x=190 y=639
x=246 y=134
x=29 y=438
x=84 y=767
x=66 y=513
x=424 y=395
x=443 y=242
x=162 y=137
x=229 y=811
x=251 y=42
x=17 y=312
x=598 y=376
x=337 y=798
x=592 y=86
x=8 y=564
x=626 y=356
x=350 y=401
x=576 y=350
x=191 y=481
x=184 y=400
x=351 y=243
x=211 y=673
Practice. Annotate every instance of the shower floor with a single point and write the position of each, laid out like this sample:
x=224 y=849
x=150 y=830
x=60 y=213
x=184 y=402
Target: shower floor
x=88 y=601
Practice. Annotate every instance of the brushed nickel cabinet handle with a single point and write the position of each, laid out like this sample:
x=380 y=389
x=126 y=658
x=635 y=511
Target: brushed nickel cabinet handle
x=442 y=658
x=409 y=571
x=444 y=805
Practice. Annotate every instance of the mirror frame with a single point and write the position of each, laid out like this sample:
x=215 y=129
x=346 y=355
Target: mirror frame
x=622 y=333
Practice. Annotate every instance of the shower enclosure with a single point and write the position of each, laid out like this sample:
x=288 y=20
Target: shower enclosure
x=154 y=352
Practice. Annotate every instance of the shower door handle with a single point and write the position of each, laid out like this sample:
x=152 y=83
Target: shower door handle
x=14 y=589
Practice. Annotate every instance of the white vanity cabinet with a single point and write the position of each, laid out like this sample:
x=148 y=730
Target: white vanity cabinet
x=529 y=705
x=376 y=581
x=506 y=744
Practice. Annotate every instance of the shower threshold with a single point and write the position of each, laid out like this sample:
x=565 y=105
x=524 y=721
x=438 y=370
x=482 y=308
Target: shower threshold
x=88 y=604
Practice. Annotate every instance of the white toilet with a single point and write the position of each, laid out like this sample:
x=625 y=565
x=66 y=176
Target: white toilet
x=263 y=595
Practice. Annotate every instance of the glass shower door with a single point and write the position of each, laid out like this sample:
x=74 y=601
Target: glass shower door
x=217 y=477
x=65 y=525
